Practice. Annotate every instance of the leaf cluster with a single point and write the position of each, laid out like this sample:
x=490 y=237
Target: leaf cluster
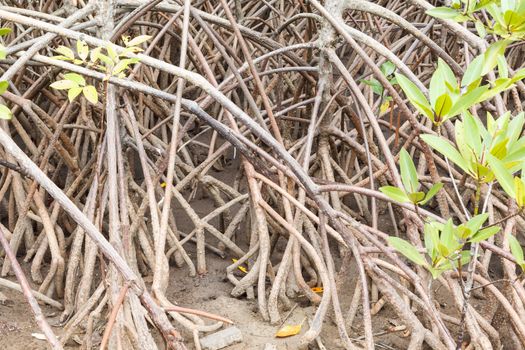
x=105 y=59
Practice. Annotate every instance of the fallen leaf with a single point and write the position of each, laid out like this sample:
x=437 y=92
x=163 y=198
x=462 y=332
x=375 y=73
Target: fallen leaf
x=163 y=185
x=288 y=331
x=384 y=107
x=38 y=336
x=317 y=289
x=242 y=268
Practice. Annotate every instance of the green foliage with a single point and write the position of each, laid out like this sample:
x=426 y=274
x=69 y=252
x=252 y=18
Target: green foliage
x=408 y=250
x=445 y=244
x=410 y=193
x=106 y=60
x=516 y=250
x=494 y=152
x=75 y=84
x=460 y=10
x=3 y=32
x=506 y=17
x=388 y=69
x=513 y=186
x=477 y=145
x=445 y=99
x=5 y=112
x=448 y=98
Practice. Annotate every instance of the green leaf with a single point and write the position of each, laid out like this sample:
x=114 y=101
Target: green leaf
x=82 y=49
x=5 y=113
x=473 y=71
x=463 y=258
x=472 y=135
x=468 y=100
x=416 y=197
x=91 y=94
x=503 y=68
x=66 y=51
x=408 y=172
x=5 y=31
x=519 y=188
x=490 y=59
x=60 y=57
x=138 y=40
x=105 y=59
x=448 y=238
x=388 y=68
x=431 y=193
x=500 y=151
x=448 y=75
x=502 y=174
x=434 y=272
x=376 y=86
x=475 y=223
x=395 y=193
x=485 y=234
x=64 y=85
x=415 y=96
x=407 y=249
x=129 y=51
x=443 y=106
x=112 y=53
x=133 y=60
x=93 y=55
x=77 y=78
x=516 y=249
x=431 y=238
x=480 y=28
x=73 y=93
x=516 y=127
x=446 y=149
x=500 y=85
x=120 y=66
x=443 y=12
x=518 y=75
x=437 y=86
x=3 y=86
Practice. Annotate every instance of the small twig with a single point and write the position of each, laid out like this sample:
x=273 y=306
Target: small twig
x=288 y=315
x=113 y=316
x=185 y=310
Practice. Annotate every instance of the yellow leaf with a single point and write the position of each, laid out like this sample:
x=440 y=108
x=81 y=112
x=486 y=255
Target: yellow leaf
x=241 y=268
x=384 y=107
x=163 y=185
x=288 y=331
x=317 y=289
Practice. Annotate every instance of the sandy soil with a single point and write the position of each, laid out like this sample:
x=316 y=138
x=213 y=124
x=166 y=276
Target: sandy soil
x=211 y=293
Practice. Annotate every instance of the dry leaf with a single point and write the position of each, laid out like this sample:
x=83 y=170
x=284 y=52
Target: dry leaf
x=288 y=331
x=317 y=289
x=384 y=107
x=38 y=336
x=242 y=268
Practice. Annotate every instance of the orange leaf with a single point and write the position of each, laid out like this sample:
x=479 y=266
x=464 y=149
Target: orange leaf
x=288 y=331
